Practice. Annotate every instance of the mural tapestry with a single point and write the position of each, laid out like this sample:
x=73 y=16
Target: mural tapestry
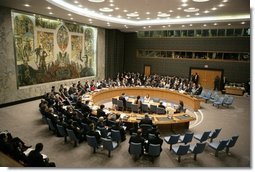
x=49 y=50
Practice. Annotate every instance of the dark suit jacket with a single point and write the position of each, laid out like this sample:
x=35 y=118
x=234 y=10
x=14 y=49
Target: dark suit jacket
x=146 y=121
x=35 y=159
x=100 y=112
x=124 y=100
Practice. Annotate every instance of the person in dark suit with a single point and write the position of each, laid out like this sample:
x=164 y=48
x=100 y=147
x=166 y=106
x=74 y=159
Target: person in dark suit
x=161 y=105
x=180 y=107
x=146 y=120
x=196 y=78
x=93 y=132
x=137 y=139
x=122 y=97
x=100 y=112
x=85 y=108
x=154 y=140
x=199 y=89
x=35 y=158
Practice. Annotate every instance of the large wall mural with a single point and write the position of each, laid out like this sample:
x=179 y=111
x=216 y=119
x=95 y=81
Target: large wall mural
x=49 y=50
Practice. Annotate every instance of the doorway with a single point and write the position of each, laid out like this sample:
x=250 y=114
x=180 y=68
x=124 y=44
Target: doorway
x=147 y=70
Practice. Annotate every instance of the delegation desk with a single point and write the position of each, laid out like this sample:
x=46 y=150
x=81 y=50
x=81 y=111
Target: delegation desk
x=164 y=122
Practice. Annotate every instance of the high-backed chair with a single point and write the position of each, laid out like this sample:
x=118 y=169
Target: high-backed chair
x=120 y=105
x=128 y=106
x=72 y=136
x=171 y=140
x=103 y=132
x=197 y=149
x=114 y=102
x=218 y=146
x=154 y=150
x=116 y=136
x=180 y=150
x=208 y=95
x=186 y=138
x=231 y=143
x=202 y=136
x=214 y=134
x=153 y=108
x=51 y=126
x=92 y=142
x=94 y=119
x=219 y=102
x=229 y=101
x=161 y=110
x=214 y=99
x=202 y=94
x=135 y=149
x=135 y=108
x=62 y=132
x=145 y=128
x=85 y=126
x=109 y=145
x=145 y=108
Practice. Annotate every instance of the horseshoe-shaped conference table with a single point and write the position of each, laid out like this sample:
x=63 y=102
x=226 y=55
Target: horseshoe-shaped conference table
x=164 y=122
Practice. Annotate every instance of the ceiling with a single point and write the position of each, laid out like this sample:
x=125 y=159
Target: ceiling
x=139 y=15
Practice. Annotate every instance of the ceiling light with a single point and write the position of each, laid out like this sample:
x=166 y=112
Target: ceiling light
x=215 y=24
x=149 y=26
x=171 y=11
x=110 y=15
x=26 y=5
x=183 y=25
x=206 y=11
x=76 y=2
x=50 y=13
x=163 y=26
x=147 y=12
x=119 y=16
x=80 y=5
x=163 y=15
x=178 y=17
x=69 y=14
x=106 y=9
x=96 y=1
x=191 y=10
x=49 y=8
x=138 y=18
x=225 y=1
x=184 y=5
x=179 y=8
x=125 y=11
x=169 y=25
x=190 y=25
x=204 y=25
x=184 y=1
x=144 y=27
x=221 y=5
x=200 y=0
x=229 y=24
x=117 y=8
x=214 y=8
x=90 y=19
x=71 y=18
x=132 y=15
x=112 y=5
x=111 y=1
x=242 y=22
x=197 y=14
x=148 y=18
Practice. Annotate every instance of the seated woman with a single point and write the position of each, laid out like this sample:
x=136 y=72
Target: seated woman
x=147 y=98
x=138 y=102
x=180 y=107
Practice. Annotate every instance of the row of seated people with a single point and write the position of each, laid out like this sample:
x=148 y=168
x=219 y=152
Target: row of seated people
x=79 y=120
x=19 y=151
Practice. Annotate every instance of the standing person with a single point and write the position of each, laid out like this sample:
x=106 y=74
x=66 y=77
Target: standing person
x=196 y=78
x=123 y=98
x=138 y=102
x=217 y=83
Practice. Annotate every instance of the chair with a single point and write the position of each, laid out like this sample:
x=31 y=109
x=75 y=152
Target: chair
x=62 y=131
x=197 y=149
x=135 y=149
x=186 y=138
x=120 y=105
x=219 y=102
x=51 y=126
x=135 y=108
x=171 y=140
x=94 y=119
x=103 y=132
x=72 y=137
x=214 y=134
x=218 y=146
x=154 y=150
x=115 y=135
x=145 y=108
x=109 y=145
x=145 y=128
x=92 y=142
x=161 y=110
x=85 y=126
x=203 y=136
x=153 y=109
x=114 y=102
x=229 y=101
x=207 y=96
x=128 y=106
x=231 y=143
x=202 y=94
x=214 y=99
x=181 y=150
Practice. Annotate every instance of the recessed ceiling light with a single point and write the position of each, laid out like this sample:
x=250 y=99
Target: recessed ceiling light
x=119 y=16
x=184 y=1
x=178 y=17
x=144 y=27
x=125 y=11
x=191 y=10
x=163 y=26
x=183 y=25
x=229 y=24
x=206 y=11
x=69 y=14
x=138 y=18
x=90 y=19
x=26 y=5
x=197 y=14
x=214 y=8
x=190 y=25
x=50 y=13
x=184 y=5
x=112 y=5
x=171 y=11
x=116 y=8
x=169 y=25
x=76 y=2
x=221 y=5
x=225 y=1
x=242 y=22
x=200 y=0
x=71 y=18
x=204 y=25
x=49 y=8
x=147 y=12
x=163 y=15
x=215 y=24
x=149 y=26
x=111 y=1
x=179 y=8
x=96 y=1
x=106 y=9
x=132 y=14
x=148 y=18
